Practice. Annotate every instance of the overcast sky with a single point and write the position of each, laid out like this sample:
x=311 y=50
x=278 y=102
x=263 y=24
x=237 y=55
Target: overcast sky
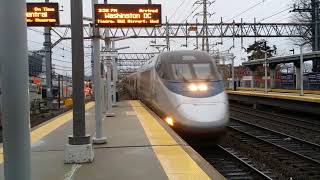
x=176 y=11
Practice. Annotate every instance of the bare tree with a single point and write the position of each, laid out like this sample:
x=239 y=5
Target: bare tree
x=303 y=17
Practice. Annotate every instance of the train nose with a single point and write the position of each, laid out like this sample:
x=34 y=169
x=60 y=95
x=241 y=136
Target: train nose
x=204 y=115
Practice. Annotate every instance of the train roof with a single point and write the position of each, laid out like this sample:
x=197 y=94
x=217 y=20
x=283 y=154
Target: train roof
x=178 y=56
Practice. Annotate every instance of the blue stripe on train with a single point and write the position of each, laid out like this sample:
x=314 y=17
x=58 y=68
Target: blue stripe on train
x=214 y=88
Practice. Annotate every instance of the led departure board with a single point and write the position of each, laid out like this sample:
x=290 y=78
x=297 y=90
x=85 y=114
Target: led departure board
x=127 y=15
x=42 y=14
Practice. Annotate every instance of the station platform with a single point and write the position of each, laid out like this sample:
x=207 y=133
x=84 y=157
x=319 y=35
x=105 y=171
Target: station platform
x=140 y=146
x=309 y=96
x=285 y=99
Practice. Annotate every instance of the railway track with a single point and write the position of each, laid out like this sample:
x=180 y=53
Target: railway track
x=311 y=125
x=229 y=163
x=303 y=129
x=286 y=156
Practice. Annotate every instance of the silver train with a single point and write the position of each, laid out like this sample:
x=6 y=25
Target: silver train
x=185 y=88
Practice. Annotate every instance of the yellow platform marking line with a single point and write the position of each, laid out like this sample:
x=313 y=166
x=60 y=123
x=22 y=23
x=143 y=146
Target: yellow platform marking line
x=280 y=90
x=46 y=129
x=296 y=97
x=176 y=163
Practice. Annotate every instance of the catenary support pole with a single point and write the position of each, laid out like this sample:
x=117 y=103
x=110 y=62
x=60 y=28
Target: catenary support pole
x=114 y=76
x=79 y=129
x=232 y=72
x=48 y=53
x=108 y=83
x=15 y=84
x=167 y=35
x=298 y=72
x=99 y=137
x=79 y=149
x=59 y=95
x=103 y=89
x=109 y=95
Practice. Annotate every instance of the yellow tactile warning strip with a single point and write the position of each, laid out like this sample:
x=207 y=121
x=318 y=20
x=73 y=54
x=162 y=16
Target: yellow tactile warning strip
x=46 y=129
x=280 y=90
x=289 y=96
x=176 y=163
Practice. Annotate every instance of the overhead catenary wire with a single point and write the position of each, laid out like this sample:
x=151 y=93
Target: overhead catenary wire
x=276 y=13
x=176 y=10
x=246 y=10
x=191 y=13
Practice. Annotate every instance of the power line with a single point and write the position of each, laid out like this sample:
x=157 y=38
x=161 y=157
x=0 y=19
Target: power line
x=176 y=10
x=191 y=13
x=243 y=12
x=274 y=14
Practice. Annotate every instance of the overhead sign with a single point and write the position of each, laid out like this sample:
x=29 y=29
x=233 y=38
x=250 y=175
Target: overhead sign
x=127 y=15
x=42 y=14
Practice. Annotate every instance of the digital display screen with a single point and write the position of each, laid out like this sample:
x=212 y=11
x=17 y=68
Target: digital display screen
x=42 y=14
x=127 y=15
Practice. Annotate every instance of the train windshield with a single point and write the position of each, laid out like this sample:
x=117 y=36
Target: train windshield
x=192 y=71
x=188 y=69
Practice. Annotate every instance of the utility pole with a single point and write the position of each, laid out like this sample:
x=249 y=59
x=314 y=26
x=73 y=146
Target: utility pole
x=79 y=148
x=15 y=96
x=48 y=53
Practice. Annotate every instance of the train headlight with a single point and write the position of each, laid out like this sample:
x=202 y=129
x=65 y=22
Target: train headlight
x=203 y=87
x=198 y=87
x=193 y=87
x=169 y=120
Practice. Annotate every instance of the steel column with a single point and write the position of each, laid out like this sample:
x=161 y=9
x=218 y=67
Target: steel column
x=114 y=75
x=265 y=72
x=301 y=70
x=99 y=137
x=232 y=73
x=15 y=84
x=48 y=53
x=109 y=95
x=79 y=125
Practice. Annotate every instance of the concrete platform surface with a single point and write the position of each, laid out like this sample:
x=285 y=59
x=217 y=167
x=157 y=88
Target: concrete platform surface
x=313 y=98
x=140 y=146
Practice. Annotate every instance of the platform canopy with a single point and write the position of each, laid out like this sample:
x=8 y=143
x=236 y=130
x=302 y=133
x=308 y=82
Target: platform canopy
x=284 y=59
